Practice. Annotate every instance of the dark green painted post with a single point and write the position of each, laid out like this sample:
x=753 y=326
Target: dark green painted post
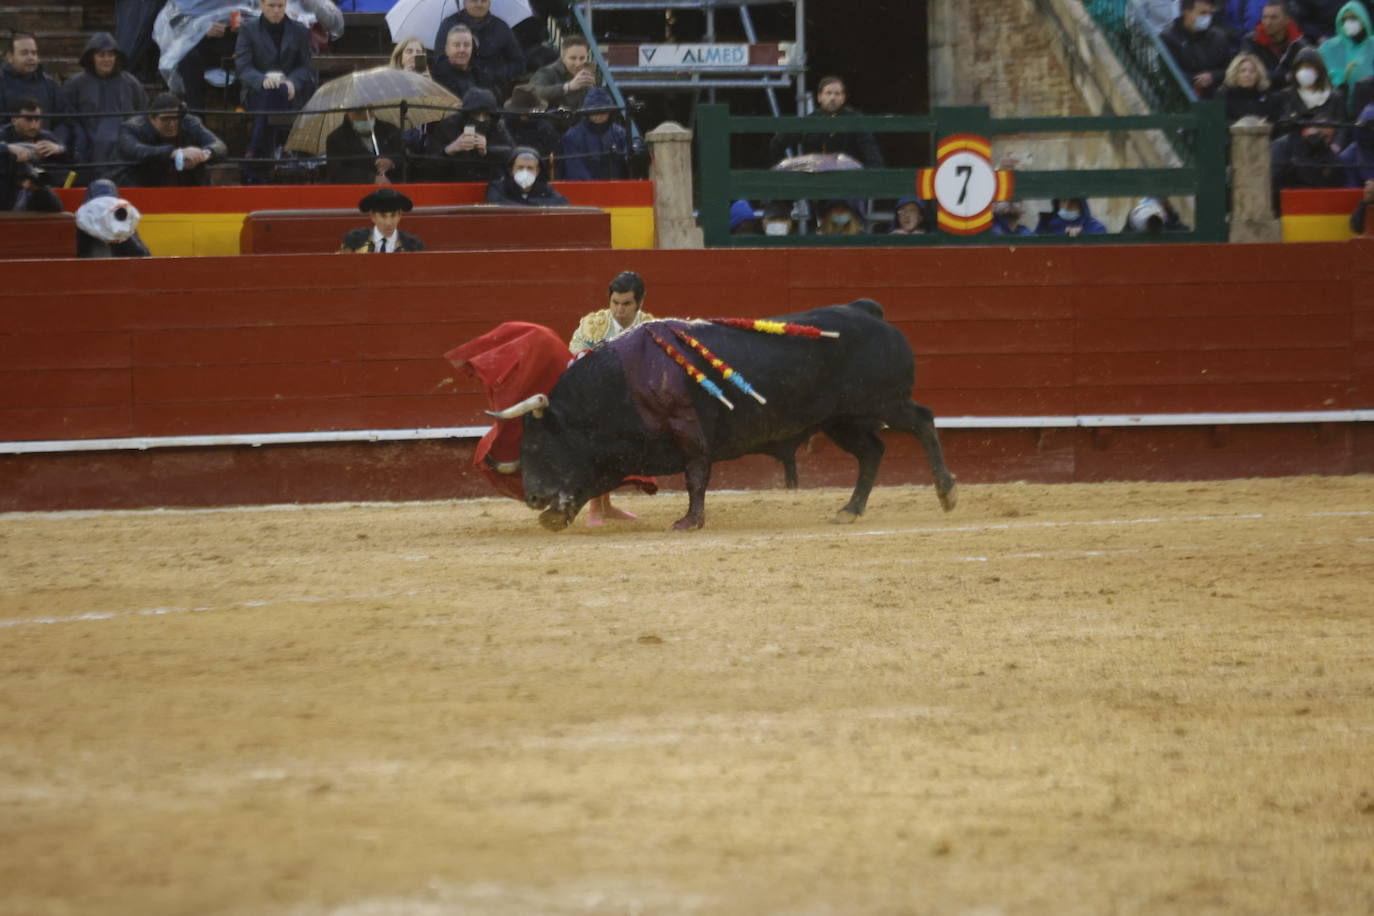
x=713 y=158
x=1211 y=166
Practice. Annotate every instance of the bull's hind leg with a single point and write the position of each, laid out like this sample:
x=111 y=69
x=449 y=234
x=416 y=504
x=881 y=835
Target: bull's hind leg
x=863 y=443
x=919 y=420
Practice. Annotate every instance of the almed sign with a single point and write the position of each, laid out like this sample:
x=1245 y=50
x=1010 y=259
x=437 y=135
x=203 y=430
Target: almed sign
x=679 y=57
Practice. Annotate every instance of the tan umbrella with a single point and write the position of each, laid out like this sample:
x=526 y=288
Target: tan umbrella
x=382 y=90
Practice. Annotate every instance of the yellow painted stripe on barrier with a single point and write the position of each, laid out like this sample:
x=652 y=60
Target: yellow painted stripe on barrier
x=1317 y=227
x=184 y=235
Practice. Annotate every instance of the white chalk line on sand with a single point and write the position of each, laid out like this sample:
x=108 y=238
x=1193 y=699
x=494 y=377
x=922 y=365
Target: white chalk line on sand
x=236 y=605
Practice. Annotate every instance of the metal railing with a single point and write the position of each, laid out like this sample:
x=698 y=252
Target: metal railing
x=1152 y=69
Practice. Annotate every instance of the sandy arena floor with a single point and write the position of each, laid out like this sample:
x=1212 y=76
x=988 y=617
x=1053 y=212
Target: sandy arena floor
x=1130 y=698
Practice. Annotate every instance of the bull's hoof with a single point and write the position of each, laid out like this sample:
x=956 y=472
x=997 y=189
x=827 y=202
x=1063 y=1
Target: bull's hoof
x=687 y=523
x=949 y=498
x=553 y=520
x=845 y=517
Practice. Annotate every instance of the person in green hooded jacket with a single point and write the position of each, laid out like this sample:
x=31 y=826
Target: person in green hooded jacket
x=1349 y=54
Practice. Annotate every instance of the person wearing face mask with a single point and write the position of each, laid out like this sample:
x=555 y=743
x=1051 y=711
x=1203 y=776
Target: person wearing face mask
x=840 y=217
x=1200 y=49
x=363 y=150
x=1349 y=54
x=384 y=236
x=777 y=218
x=1310 y=98
x=594 y=149
x=1069 y=216
x=471 y=145
x=1006 y=218
x=1358 y=157
x=524 y=184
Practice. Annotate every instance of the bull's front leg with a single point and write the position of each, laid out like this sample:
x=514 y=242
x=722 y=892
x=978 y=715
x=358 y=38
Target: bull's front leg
x=698 y=474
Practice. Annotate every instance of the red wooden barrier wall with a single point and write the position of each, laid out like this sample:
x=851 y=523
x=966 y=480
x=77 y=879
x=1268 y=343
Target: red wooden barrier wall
x=170 y=347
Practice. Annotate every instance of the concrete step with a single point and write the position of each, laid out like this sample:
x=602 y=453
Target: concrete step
x=332 y=65
x=364 y=33
x=54 y=43
x=35 y=18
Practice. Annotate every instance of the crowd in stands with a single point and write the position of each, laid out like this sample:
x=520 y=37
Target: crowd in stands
x=512 y=100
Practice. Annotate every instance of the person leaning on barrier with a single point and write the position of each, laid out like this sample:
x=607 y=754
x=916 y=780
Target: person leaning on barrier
x=1199 y=47
x=363 y=150
x=166 y=148
x=831 y=100
x=594 y=148
x=101 y=97
x=385 y=206
x=22 y=185
x=22 y=77
x=26 y=128
x=524 y=183
x=1277 y=41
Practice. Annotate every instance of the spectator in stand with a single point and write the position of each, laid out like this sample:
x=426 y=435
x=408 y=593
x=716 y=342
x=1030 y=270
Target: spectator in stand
x=830 y=103
x=496 y=52
x=1199 y=47
x=1153 y=215
x=167 y=148
x=1311 y=97
x=777 y=218
x=470 y=145
x=1358 y=156
x=525 y=127
x=409 y=54
x=214 y=51
x=523 y=184
x=274 y=60
x=101 y=97
x=594 y=148
x=385 y=206
x=107 y=225
x=1240 y=17
x=742 y=219
x=1362 y=94
x=1069 y=216
x=910 y=217
x=22 y=77
x=1316 y=18
x=1006 y=218
x=1245 y=90
x=23 y=186
x=1306 y=159
x=363 y=150
x=134 y=33
x=26 y=128
x=458 y=70
x=1361 y=214
x=1349 y=54
x=1276 y=41
x=840 y=217
x=566 y=82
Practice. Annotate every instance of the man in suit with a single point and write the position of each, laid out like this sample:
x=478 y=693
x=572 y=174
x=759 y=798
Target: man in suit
x=385 y=206
x=273 y=59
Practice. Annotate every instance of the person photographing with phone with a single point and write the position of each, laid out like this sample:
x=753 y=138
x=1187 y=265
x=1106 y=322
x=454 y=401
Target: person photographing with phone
x=471 y=145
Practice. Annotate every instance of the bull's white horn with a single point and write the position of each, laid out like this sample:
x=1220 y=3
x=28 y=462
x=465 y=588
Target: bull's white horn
x=506 y=467
x=535 y=403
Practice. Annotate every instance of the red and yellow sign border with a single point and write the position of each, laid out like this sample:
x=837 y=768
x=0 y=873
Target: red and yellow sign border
x=925 y=183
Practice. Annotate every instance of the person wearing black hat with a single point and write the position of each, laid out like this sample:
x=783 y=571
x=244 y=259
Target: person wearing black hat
x=167 y=148
x=385 y=205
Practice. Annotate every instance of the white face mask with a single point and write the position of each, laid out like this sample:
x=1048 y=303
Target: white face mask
x=775 y=228
x=364 y=127
x=1068 y=216
x=840 y=219
x=524 y=178
x=1202 y=23
x=1352 y=27
x=1307 y=77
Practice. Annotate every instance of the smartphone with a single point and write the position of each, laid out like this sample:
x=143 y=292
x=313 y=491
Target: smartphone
x=470 y=129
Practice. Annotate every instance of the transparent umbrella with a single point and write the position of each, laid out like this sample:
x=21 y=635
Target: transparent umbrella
x=420 y=18
x=382 y=90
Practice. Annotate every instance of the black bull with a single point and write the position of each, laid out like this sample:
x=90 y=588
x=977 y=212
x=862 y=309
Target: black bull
x=627 y=409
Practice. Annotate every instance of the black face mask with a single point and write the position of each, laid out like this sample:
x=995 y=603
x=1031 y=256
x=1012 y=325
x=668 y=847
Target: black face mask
x=1315 y=143
x=598 y=128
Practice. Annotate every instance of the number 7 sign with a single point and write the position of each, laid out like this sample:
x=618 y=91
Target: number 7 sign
x=964 y=184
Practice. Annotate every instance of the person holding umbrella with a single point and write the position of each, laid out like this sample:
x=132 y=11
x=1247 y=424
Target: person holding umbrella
x=385 y=206
x=363 y=150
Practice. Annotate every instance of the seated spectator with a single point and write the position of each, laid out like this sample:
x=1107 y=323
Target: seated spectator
x=1316 y=18
x=1276 y=41
x=22 y=186
x=1201 y=49
x=1361 y=95
x=1349 y=54
x=458 y=70
x=107 y=224
x=777 y=218
x=496 y=52
x=409 y=54
x=840 y=217
x=167 y=148
x=1311 y=97
x=1069 y=216
x=742 y=219
x=470 y=145
x=101 y=97
x=1245 y=91
x=1360 y=219
x=910 y=217
x=594 y=148
x=566 y=82
x=1305 y=159
x=1153 y=215
x=525 y=127
x=26 y=128
x=22 y=77
x=830 y=103
x=523 y=183
x=1358 y=156
x=385 y=206
x=1006 y=218
x=363 y=150
x=214 y=51
x=274 y=60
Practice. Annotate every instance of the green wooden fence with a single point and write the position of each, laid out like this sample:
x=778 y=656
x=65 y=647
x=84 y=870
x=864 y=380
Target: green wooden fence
x=1203 y=179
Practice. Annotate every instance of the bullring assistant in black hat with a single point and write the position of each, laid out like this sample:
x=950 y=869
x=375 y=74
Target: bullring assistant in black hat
x=385 y=205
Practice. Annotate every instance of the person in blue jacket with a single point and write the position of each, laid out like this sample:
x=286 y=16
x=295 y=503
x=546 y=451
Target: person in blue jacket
x=1069 y=216
x=594 y=148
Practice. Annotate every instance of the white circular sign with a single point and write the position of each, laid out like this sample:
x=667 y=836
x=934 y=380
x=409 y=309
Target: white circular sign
x=965 y=184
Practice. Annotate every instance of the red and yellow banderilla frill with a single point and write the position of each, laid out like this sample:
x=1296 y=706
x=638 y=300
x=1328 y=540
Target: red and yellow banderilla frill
x=774 y=327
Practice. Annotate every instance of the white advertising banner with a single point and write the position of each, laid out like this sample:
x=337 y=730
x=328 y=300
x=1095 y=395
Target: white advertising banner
x=700 y=55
